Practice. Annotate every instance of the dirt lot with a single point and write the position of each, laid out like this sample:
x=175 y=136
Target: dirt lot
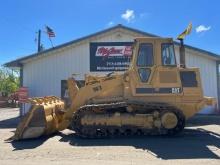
x=199 y=144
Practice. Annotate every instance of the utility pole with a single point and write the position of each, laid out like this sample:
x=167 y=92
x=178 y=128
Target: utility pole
x=39 y=41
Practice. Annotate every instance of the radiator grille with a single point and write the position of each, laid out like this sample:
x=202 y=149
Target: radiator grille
x=188 y=79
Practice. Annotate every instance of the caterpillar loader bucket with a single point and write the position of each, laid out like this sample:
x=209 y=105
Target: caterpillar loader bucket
x=43 y=118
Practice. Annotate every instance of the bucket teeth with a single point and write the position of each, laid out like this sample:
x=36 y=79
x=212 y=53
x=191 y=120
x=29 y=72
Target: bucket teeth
x=44 y=100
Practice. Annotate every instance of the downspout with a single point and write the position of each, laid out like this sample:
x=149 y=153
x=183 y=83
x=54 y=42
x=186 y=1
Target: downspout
x=218 y=85
x=21 y=84
x=21 y=75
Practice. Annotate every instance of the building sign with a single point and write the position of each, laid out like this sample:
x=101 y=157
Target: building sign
x=110 y=56
x=22 y=94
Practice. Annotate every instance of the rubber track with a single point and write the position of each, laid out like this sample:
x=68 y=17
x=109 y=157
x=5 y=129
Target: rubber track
x=102 y=131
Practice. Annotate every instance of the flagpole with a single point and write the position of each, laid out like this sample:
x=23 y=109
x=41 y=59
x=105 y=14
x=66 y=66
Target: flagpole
x=51 y=42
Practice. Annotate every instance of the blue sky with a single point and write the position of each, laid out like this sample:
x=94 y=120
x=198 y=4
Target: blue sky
x=71 y=19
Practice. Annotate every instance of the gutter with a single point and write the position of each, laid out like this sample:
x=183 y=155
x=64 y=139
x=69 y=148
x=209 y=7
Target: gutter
x=21 y=106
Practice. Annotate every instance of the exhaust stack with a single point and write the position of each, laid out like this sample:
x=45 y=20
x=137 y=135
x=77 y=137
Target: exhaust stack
x=182 y=54
x=181 y=37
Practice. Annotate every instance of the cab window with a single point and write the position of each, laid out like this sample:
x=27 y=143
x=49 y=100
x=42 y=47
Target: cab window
x=145 y=61
x=144 y=74
x=145 y=55
x=168 y=55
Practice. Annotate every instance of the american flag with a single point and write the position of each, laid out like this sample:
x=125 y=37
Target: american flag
x=50 y=32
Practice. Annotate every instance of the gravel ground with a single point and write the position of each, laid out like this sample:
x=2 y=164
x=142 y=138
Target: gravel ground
x=198 y=144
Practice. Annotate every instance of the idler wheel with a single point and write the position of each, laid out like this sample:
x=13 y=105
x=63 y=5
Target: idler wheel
x=169 y=120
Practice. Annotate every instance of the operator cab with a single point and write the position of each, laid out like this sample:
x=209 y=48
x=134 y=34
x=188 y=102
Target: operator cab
x=153 y=52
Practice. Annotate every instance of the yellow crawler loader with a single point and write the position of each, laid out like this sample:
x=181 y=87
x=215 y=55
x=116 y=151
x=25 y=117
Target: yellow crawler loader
x=153 y=97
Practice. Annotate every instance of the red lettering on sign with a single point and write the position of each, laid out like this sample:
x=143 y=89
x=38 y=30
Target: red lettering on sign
x=109 y=51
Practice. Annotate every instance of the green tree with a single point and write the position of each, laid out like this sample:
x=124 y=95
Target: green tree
x=9 y=81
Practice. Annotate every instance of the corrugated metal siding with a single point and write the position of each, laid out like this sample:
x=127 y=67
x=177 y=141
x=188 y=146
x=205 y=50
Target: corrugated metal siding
x=43 y=76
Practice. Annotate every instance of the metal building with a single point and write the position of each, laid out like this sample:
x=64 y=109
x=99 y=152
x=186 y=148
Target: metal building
x=44 y=73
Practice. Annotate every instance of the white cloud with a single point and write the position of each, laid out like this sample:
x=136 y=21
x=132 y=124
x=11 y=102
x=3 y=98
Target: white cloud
x=128 y=15
x=111 y=23
x=202 y=28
